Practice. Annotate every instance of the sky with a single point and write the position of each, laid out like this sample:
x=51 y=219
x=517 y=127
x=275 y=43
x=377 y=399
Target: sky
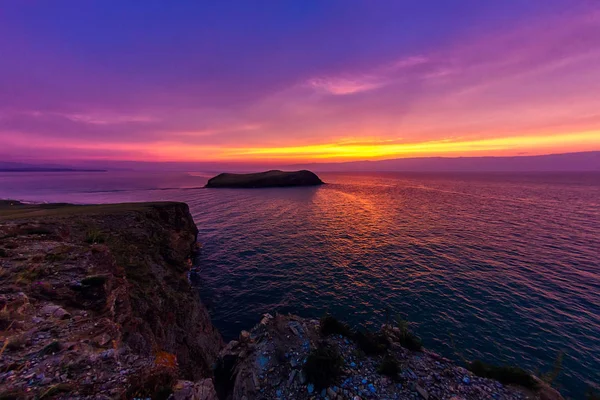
x=297 y=81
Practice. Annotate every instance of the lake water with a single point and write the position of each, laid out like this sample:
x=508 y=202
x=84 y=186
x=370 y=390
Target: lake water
x=505 y=264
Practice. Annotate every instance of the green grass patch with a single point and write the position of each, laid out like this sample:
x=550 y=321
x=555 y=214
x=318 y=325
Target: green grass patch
x=508 y=375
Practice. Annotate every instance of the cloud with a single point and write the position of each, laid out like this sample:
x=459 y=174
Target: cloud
x=543 y=75
x=341 y=86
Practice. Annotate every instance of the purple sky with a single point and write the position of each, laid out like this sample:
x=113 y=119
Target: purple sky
x=297 y=81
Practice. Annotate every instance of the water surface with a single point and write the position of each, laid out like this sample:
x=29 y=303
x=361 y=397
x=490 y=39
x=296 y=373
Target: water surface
x=501 y=267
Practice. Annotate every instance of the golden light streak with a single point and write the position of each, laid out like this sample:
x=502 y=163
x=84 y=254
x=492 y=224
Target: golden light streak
x=342 y=150
x=440 y=147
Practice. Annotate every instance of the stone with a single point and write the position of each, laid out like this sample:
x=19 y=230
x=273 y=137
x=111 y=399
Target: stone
x=266 y=318
x=302 y=377
x=201 y=390
x=244 y=336
x=422 y=392
x=55 y=311
x=292 y=376
x=331 y=393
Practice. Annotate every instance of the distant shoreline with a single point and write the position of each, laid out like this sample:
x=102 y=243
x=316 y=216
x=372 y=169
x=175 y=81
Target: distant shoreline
x=51 y=170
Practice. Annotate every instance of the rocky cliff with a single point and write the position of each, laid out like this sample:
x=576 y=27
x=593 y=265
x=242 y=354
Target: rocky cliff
x=95 y=303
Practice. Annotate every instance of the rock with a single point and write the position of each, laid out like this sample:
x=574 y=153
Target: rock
x=201 y=390
x=422 y=392
x=272 y=178
x=244 y=336
x=546 y=392
x=302 y=377
x=291 y=377
x=310 y=388
x=55 y=311
x=266 y=318
x=103 y=339
x=331 y=393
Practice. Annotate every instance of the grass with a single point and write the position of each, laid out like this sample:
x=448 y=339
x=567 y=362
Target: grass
x=389 y=367
x=506 y=374
x=323 y=366
x=19 y=211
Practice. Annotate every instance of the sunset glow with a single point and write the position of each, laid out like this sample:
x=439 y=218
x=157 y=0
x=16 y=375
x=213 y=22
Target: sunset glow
x=505 y=79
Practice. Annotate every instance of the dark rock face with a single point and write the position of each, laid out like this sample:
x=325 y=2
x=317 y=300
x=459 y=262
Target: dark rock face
x=96 y=299
x=273 y=178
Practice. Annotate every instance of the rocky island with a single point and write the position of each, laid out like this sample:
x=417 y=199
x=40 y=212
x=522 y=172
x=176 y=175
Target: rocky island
x=274 y=178
x=95 y=303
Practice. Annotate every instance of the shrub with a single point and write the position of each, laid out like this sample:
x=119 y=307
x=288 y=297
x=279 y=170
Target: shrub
x=323 y=366
x=331 y=326
x=371 y=343
x=389 y=367
x=505 y=374
x=408 y=339
x=94 y=236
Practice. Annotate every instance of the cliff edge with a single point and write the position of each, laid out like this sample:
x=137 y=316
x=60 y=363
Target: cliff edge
x=96 y=303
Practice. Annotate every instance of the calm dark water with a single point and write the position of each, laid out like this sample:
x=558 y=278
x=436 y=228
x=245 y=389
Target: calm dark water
x=506 y=264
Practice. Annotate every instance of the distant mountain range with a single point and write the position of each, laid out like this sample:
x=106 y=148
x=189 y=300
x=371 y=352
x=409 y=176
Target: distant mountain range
x=584 y=161
x=576 y=162
x=22 y=167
